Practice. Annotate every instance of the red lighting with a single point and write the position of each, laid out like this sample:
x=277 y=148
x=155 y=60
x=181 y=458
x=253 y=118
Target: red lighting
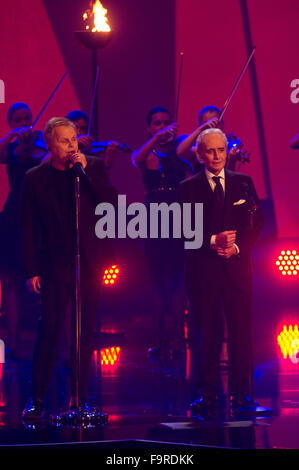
x=288 y=341
x=288 y=263
x=111 y=275
x=2 y=396
x=110 y=356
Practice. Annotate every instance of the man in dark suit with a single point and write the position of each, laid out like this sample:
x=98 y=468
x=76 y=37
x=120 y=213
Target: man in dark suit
x=48 y=246
x=218 y=275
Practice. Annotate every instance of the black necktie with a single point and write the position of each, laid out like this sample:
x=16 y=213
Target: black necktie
x=219 y=203
x=218 y=192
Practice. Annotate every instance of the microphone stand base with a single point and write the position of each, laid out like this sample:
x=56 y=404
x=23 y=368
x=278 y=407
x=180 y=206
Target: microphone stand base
x=80 y=418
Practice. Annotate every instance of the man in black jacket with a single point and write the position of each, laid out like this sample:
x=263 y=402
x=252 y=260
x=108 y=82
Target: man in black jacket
x=48 y=248
x=218 y=275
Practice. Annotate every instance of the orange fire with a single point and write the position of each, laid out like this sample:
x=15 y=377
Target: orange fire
x=95 y=18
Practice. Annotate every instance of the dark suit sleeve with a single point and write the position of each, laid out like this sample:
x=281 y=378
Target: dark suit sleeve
x=29 y=230
x=187 y=194
x=249 y=233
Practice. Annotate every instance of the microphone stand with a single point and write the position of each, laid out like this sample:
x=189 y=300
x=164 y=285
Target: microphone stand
x=79 y=417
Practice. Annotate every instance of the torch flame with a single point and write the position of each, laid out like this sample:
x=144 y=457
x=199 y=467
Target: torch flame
x=97 y=15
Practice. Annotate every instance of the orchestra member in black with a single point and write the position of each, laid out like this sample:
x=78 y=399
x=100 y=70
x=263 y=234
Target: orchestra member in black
x=48 y=250
x=208 y=117
x=162 y=171
x=106 y=150
x=20 y=150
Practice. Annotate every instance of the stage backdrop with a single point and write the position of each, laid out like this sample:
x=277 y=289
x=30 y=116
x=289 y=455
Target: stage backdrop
x=136 y=74
x=139 y=69
x=216 y=39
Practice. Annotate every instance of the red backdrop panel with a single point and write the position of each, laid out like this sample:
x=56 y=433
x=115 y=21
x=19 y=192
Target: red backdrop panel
x=274 y=25
x=31 y=65
x=211 y=36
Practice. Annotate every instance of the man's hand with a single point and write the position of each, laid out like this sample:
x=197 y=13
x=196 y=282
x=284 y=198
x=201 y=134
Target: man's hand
x=110 y=153
x=84 y=142
x=226 y=252
x=34 y=284
x=211 y=123
x=77 y=157
x=167 y=134
x=24 y=137
x=225 y=239
x=232 y=158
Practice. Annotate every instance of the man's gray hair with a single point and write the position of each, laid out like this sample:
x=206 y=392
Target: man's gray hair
x=52 y=124
x=212 y=130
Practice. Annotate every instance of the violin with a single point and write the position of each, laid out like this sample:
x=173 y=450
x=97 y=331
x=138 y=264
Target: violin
x=30 y=142
x=97 y=148
x=242 y=155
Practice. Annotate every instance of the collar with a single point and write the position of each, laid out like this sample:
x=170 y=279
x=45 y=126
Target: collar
x=210 y=175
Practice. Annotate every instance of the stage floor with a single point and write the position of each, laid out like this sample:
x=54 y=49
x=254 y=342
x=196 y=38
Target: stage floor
x=147 y=404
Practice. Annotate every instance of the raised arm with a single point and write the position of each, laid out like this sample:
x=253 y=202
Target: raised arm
x=185 y=149
x=4 y=144
x=22 y=134
x=165 y=135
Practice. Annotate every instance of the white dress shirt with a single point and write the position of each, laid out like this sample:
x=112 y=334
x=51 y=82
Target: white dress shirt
x=212 y=183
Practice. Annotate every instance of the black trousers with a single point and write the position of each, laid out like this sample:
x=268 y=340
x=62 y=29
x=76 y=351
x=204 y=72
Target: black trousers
x=58 y=295
x=208 y=303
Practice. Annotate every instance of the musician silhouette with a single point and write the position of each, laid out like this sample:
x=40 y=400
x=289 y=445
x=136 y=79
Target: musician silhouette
x=20 y=150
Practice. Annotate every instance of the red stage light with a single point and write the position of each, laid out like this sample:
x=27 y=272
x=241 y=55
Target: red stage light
x=288 y=341
x=288 y=263
x=110 y=356
x=110 y=275
x=2 y=395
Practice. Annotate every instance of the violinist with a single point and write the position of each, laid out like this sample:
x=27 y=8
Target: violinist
x=162 y=171
x=208 y=117
x=20 y=150
x=107 y=150
x=21 y=140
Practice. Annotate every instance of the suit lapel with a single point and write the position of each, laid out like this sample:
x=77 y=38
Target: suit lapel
x=229 y=197
x=50 y=191
x=203 y=190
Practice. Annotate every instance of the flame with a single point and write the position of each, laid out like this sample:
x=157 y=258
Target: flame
x=96 y=18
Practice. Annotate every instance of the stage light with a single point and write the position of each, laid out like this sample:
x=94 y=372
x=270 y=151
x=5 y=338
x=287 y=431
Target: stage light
x=110 y=356
x=288 y=263
x=288 y=341
x=111 y=275
x=2 y=395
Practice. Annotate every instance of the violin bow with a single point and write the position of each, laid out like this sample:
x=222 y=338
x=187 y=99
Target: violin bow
x=179 y=86
x=237 y=83
x=50 y=98
x=94 y=94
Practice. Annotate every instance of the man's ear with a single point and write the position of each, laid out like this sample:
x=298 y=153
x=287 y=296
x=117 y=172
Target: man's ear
x=198 y=156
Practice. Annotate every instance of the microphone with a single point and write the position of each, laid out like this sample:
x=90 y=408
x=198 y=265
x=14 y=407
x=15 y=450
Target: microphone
x=250 y=196
x=78 y=169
